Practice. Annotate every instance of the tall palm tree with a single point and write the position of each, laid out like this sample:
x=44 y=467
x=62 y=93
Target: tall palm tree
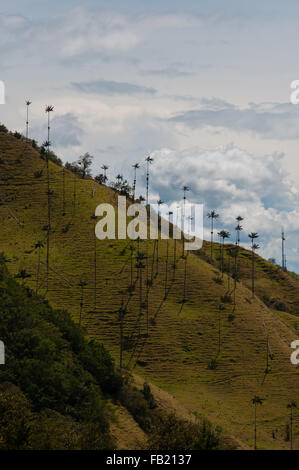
x=28 y=103
x=256 y=400
x=132 y=249
x=223 y=234
x=95 y=271
x=136 y=166
x=38 y=246
x=291 y=406
x=238 y=229
x=140 y=266
x=253 y=236
x=166 y=259
x=49 y=109
x=105 y=168
x=233 y=252
x=159 y=202
x=174 y=244
x=213 y=216
x=185 y=189
x=149 y=160
x=81 y=284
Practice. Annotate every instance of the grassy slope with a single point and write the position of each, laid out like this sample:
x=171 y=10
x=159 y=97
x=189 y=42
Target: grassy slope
x=183 y=338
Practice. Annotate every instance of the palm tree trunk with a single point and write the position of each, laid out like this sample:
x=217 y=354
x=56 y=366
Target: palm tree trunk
x=166 y=270
x=212 y=229
x=185 y=278
x=95 y=275
x=252 y=288
x=49 y=208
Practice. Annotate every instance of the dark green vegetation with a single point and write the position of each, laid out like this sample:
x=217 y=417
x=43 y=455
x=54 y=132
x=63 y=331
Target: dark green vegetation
x=55 y=383
x=202 y=335
x=56 y=386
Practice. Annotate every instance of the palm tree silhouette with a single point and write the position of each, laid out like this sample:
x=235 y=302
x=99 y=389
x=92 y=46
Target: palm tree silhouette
x=174 y=243
x=166 y=260
x=38 y=247
x=238 y=229
x=213 y=216
x=223 y=234
x=159 y=202
x=185 y=189
x=140 y=266
x=49 y=109
x=291 y=406
x=256 y=400
x=149 y=160
x=105 y=168
x=135 y=166
x=254 y=247
x=28 y=103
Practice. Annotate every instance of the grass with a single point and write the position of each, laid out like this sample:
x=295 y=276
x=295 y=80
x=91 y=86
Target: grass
x=183 y=337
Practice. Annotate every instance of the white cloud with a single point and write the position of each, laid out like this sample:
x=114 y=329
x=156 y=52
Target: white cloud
x=233 y=182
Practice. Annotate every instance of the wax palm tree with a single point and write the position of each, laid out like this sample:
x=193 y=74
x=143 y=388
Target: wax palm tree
x=49 y=109
x=291 y=406
x=213 y=216
x=149 y=160
x=159 y=202
x=174 y=245
x=81 y=284
x=38 y=246
x=136 y=166
x=105 y=168
x=95 y=271
x=185 y=189
x=132 y=249
x=238 y=229
x=185 y=257
x=166 y=259
x=140 y=266
x=233 y=252
x=223 y=234
x=28 y=103
x=256 y=400
x=253 y=236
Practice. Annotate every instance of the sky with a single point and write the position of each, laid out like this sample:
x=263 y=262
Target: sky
x=203 y=86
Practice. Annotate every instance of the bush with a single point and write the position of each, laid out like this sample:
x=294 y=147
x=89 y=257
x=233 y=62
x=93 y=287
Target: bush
x=171 y=433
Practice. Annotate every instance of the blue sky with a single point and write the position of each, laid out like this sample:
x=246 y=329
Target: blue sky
x=203 y=86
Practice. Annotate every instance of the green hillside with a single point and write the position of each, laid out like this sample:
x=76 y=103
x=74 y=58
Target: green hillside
x=173 y=343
